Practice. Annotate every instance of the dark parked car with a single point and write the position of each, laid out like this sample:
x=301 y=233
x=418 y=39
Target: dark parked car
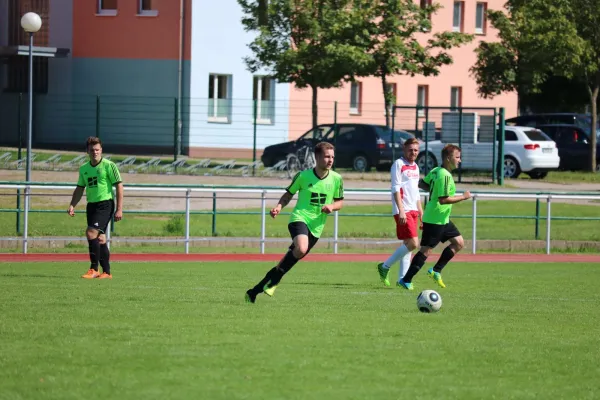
x=573 y=146
x=584 y=121
x=358 y=146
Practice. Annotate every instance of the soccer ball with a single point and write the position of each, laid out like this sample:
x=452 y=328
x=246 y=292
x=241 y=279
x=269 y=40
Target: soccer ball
x=429 y=301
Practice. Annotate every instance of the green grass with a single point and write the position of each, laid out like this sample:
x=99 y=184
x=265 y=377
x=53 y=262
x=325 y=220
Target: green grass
x=351 y=225
x=182 y=330
x=568 y=177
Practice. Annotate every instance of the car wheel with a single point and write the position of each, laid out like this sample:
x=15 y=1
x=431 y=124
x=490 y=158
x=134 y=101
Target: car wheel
x=538 y=175
x=292 y=165
x=431 y=162
x=360 y=163
x=511 y=168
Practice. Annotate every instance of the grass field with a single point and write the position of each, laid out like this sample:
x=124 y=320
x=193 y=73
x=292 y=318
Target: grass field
x=182 y=330
x=355 y=221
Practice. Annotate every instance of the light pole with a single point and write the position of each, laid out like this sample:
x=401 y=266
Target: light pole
x=31 y=23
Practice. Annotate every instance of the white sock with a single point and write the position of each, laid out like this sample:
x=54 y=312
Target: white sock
x=398 y=254
x=404 y=265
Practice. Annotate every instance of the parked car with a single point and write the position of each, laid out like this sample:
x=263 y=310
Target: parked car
x=584 y=121
x=573 y=146
x=526 y=150
x=358 y=146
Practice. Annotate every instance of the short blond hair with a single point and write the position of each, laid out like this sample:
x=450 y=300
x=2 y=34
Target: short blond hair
x=322 y=146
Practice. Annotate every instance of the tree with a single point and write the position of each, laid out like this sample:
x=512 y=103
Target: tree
x=312 y=43
x=569 y=32
x=395 y=48
x=509 y=64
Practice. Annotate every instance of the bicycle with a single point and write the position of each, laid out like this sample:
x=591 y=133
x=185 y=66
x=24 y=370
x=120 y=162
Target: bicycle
x=303 y=159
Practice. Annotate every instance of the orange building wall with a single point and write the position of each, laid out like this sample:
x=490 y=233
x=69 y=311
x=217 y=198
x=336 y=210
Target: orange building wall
x=372 y=104
x=128 y=35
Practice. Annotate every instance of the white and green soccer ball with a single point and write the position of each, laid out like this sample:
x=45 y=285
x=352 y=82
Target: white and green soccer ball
x=429 y=301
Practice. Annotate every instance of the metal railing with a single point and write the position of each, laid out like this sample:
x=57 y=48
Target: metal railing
x=263 y=192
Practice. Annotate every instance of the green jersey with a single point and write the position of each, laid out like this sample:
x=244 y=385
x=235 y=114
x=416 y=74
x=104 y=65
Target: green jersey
x=441 y=184
x=314 y=193
x=98 y=180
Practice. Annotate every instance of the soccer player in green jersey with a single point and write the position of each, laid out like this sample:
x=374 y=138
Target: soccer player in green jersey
x=320 y=192
x=97 y=177
x=437 y=226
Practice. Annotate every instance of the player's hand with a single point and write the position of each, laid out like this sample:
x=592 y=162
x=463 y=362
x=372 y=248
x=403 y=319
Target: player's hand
x=118 y=215
x=402 y=218
x=71 y=211
x=275 y=211
x=467 y=195
x=327 y=208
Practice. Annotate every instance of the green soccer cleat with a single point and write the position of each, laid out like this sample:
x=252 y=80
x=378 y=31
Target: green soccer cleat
x=405 y=285
x=383 y=274
x=250 y=297
x=269 y=291
x=437 y=277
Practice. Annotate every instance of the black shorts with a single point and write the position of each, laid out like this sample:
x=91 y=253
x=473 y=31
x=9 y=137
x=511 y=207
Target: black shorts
x=433 y=234
x=300 y=228
x=99 y=214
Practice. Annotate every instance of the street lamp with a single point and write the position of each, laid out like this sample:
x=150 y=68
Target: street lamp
x=31 y=23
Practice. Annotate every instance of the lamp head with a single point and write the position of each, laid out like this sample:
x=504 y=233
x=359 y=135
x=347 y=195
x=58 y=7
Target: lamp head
x=31 y=22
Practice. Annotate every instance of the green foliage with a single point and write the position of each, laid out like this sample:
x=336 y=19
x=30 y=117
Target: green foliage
x=312 y=43
x=395 y=49
x=174 y=226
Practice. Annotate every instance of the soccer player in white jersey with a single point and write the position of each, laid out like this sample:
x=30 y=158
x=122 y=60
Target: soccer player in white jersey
x=407 y=208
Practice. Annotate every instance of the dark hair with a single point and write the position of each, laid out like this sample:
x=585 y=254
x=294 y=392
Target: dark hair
x=411 y=141
x=322 y=146
x=449 y=149
x=92 y=141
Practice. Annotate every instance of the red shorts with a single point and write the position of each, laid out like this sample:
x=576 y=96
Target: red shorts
x=408 y=230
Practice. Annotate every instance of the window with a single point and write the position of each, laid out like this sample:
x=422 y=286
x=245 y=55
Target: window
x=219 y=98
x=455 y=97
x=457 y=18
x=145 y=8
x=264 y=94
x=107 y=7
x=480 y=18
x=355 y=97
x=422 y=98
x=537 y=136
x=510 y=136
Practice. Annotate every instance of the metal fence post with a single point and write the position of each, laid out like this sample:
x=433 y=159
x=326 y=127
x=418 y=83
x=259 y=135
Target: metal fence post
x=494 y=138
x=335 y=107
x=501 y=149
x=18 y=211
x=108 y=235
x=263 y=207
x=537 y=218
x=474 y=220
x=460 y=135
x=26 y=219
x=97 y=116
x=393 y=136
x=548 y=219
x=176 y=129
x=335 y=231
x=214 y=215
x=187 y=220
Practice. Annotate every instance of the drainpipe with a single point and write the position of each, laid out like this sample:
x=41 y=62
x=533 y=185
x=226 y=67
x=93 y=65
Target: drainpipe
x=180 y=73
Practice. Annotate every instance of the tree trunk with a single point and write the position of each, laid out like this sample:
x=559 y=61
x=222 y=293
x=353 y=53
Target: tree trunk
x=386 y=99
x=315 y=109
x=594 y=103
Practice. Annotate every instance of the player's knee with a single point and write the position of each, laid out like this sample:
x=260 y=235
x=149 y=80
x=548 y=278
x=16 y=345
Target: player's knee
x=102 y=238
x=426 y=251
x=411 y=244
x=300 y=251
x=459 y=243
x=91 y=234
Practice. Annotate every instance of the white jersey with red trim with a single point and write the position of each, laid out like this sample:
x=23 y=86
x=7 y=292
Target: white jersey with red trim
x=405 y=179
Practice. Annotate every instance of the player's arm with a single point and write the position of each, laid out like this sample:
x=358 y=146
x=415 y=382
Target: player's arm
x=77 y=194
x=455 y=199
x=283 y=201
x=396 y=186
x=119 y=211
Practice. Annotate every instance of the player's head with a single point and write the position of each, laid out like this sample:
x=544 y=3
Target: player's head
x=451 y=156
x=324 y=155
x=411 y=149
x=93 y=146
